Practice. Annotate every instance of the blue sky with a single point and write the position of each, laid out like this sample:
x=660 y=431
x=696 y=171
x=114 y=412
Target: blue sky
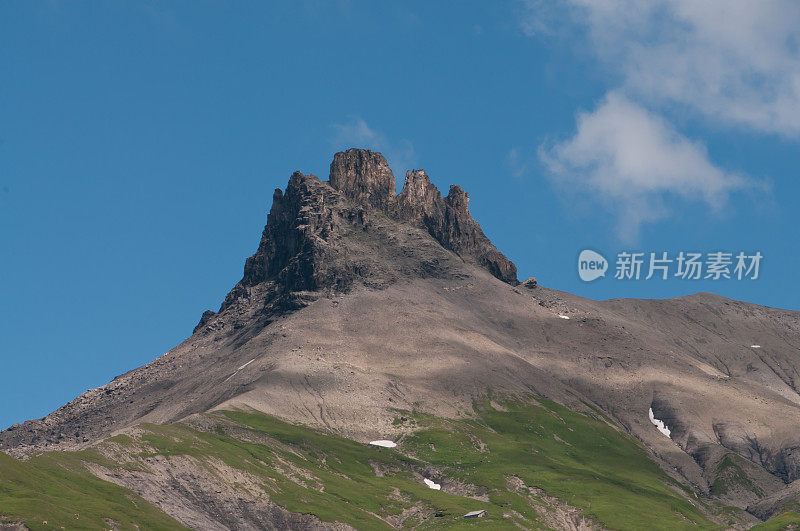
x=140 y=143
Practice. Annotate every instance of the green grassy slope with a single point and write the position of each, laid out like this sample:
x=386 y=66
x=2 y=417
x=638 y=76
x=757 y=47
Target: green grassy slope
x=503 y=456
x=57 y=489
x=579 y=459
x=788 y=518
x=785 y=521
x=729 y=474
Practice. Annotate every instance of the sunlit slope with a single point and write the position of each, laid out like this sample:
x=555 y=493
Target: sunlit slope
x=57 y=491
x=529 y=463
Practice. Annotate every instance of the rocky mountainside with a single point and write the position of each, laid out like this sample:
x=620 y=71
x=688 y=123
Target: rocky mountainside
x=361 y=307
x=311 y=243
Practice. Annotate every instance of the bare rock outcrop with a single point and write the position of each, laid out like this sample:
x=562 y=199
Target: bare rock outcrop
x=363 y=176
x=302 y=250
x=449 y=221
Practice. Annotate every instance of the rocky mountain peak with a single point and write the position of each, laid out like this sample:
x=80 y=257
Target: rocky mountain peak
x=363 y=176
x=458 y=198
x=448 y=220
x=314 y=237
x=419 y=199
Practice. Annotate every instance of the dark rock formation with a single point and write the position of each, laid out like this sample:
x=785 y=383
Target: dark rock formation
x=363 y=176
x=420 y=201
x=204 y=319
x=449 y=221
x=289 y=250
x=302 y=249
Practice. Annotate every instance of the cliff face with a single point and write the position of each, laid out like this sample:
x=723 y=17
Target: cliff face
x=365 y=177
x=302 y=249
x=449 y=221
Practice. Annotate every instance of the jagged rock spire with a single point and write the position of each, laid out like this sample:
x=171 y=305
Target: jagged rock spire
x=364 y=176
x=420 y=199
x=449 y=221
x=306 y=245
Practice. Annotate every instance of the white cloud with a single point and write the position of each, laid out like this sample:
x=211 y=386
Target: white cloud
x=356 y=133
x=636 y=164
x=735 y=62
x=517 y=164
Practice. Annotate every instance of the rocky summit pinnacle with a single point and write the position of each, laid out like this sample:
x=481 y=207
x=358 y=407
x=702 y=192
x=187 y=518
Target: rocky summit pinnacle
x=449 y=221
x=363 y=176
x=302 y=247
x=328 y=236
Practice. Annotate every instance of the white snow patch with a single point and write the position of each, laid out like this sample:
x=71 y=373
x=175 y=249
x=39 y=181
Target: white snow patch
x=563 y=316
x=246 y=364
x=239 y=369
x=385 y=444
x=755 y=346
x=431 y=484
x=659 y=424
